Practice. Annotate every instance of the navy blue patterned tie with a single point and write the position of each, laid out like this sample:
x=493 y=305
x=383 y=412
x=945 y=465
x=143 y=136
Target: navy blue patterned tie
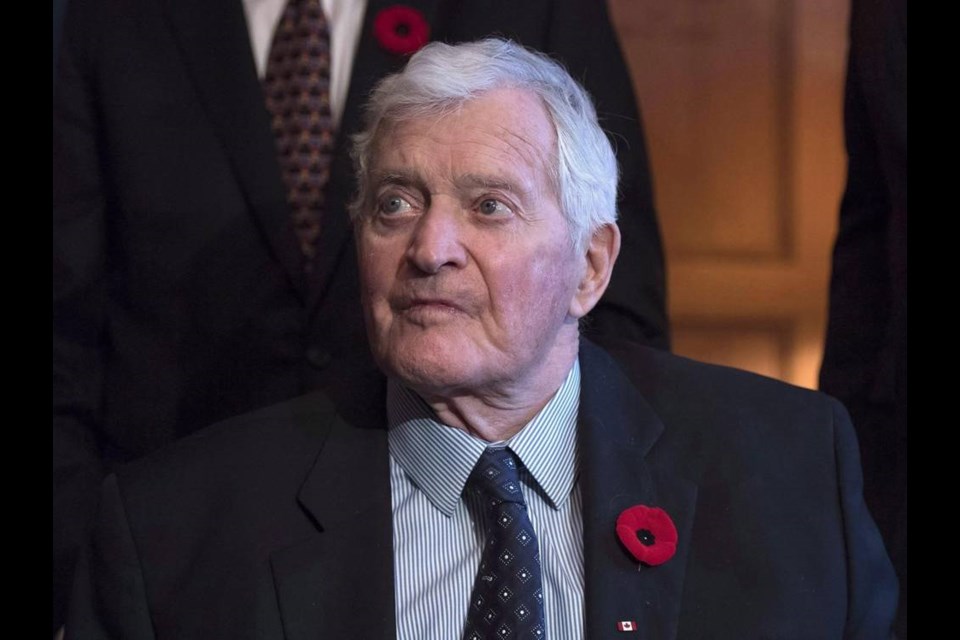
x=507 y=599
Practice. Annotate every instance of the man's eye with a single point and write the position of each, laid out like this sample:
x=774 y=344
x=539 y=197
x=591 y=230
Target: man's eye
x=393 y=205
x=491 y=206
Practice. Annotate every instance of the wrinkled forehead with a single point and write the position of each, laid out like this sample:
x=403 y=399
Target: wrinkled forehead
x=508 y=125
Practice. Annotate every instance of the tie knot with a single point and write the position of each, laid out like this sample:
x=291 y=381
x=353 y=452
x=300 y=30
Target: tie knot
x=496 y=476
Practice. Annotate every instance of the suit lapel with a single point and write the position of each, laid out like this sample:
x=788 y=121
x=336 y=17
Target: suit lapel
x=624 y=464
x=215 y=44
x=340 y=582
x=370 y=64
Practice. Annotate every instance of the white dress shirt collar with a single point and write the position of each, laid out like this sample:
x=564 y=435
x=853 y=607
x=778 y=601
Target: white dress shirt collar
x=439 y=458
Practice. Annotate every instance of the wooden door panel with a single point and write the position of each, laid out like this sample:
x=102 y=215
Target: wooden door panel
x=741 y=102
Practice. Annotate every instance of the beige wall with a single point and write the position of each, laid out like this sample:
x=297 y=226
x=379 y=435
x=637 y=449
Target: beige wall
x=742 y=104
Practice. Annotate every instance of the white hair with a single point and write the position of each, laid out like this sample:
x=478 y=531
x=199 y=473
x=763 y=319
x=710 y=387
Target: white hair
x=441 y=77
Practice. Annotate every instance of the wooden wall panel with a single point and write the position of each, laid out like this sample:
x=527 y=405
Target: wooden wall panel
x=718 y=77
x=741 y=102
x=762 y=349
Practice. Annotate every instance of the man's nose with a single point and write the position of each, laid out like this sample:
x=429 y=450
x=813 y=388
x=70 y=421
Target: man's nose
x=437 y=239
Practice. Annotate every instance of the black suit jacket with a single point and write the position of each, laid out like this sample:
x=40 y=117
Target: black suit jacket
x=179 y=297
x=865 y=357
x=277 y=524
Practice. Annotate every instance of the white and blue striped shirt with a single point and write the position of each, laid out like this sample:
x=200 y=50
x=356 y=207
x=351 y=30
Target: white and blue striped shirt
x=438 y=534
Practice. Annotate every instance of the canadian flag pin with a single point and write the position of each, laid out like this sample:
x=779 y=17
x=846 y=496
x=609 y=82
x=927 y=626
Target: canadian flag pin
x=627 y=625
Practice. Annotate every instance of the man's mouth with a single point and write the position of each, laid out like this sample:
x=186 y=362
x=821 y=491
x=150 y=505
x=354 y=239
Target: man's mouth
x=432 y=303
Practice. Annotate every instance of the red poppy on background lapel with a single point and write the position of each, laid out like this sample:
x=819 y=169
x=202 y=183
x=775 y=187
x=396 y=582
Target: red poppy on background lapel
x=401 y=30
x=648 y=533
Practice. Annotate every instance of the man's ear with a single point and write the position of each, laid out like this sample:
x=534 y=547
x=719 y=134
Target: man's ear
x=601 y=254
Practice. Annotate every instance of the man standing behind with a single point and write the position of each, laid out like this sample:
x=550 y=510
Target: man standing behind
x=506 y=479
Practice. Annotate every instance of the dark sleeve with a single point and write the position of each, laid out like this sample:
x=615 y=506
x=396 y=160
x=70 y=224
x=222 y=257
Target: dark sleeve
x=634 y=306
x=868 y=285
x=78 y=307
x=860 y=280
x=871 y=583
x=109 y=596
x=865 y=355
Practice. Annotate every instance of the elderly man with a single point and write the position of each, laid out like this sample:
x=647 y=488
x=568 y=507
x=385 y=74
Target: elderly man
x=505 y=479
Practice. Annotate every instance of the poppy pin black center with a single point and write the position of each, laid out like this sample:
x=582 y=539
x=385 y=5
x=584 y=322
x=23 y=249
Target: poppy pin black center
x=645 y=537
x=402 y=29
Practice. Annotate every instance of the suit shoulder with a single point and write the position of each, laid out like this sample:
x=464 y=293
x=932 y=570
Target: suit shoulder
x=728 y=411
x=662 y=376
x=270 y=440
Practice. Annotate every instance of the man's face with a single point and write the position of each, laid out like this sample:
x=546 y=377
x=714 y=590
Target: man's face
x=467 y=266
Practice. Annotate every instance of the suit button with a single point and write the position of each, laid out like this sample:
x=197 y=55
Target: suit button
x=318 y=358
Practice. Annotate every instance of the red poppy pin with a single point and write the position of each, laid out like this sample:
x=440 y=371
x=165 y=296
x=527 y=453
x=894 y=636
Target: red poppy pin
x=401 y=30
x=648 y=534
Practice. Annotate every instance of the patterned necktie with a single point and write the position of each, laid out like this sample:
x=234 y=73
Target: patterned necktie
x=297 y=88
x=507 y=599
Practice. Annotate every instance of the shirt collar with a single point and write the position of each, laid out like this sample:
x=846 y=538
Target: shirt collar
x=438 y=458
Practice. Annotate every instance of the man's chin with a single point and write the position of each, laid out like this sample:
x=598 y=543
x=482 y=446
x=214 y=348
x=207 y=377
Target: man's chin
x=432 y=369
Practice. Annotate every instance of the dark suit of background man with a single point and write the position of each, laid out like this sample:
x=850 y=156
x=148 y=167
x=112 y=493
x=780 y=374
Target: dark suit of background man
x=485 y=229
x=179 y=292
x=865 y=359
